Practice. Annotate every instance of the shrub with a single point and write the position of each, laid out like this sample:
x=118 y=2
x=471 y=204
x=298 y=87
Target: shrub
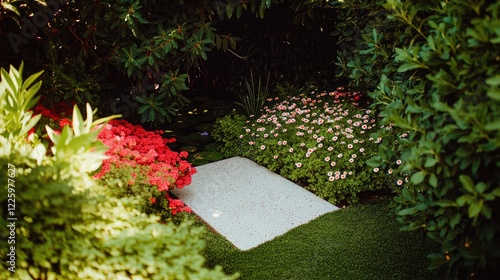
x=95 y=51
x=439 y=80
x=316 y=140
x=226 y=131
x=139 y=163
x=67 y=226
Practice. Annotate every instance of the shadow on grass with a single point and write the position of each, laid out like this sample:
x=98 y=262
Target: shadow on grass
x=359 y=242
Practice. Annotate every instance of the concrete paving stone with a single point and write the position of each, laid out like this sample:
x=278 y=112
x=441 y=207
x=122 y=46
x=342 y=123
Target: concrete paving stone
x=247 y=203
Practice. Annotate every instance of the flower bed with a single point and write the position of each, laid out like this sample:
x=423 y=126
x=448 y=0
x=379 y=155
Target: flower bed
x=139 y=163
x=319 y=140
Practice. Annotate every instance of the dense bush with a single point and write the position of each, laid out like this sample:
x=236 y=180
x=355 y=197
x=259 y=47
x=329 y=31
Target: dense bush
x=319 y=140
x=67 y=226
x=139 y=162
x=90 y=47
x=435 y=70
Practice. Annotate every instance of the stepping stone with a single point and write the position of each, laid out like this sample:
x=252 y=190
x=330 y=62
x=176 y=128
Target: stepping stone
x=247 y=203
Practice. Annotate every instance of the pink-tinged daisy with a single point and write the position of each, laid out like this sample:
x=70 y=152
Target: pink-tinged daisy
x=265 y=135
x=327 y=159
x=308 y=154
x=247 y=130
x=284 y=142
x=263 y=147
x=399 y=182
x=290 y=150
x=398 y=162
x=330 y=149
x=361 y=150
x=280 y=143
x=298 y=164
x=320 y=145
x=330 y=173
x=389 y=171
x=339 y=156
x=331 y=178
x=333 y=163
x=334 y=138
x=241 y=136
x=302 y=144
x=353 y=155
x=337 y=173
x=375 y=169
x=275 y=156
x=342 y=176
x=351 y=160
x=349 y=146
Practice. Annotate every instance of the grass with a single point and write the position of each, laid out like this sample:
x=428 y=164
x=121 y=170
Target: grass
x=358 y=242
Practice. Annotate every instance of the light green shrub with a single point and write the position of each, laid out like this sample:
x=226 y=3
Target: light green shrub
x=68 y=226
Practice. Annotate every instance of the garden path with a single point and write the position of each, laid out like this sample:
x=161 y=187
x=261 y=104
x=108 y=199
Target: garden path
x=247 y=203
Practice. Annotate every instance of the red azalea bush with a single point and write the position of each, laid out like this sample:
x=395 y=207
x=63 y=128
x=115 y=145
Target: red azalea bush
x=139 y=163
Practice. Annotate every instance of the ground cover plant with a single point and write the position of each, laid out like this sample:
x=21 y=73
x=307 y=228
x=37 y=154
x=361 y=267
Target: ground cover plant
x=359 y=242
x=68 y=226
x=321 y=140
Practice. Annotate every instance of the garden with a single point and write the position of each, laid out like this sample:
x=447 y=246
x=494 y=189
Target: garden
x=387 y=109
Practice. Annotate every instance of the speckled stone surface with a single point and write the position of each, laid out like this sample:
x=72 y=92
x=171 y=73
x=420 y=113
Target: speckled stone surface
x=247 y=203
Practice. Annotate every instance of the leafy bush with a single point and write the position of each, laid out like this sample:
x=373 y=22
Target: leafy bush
x=141 y=164
x=437 y=68
x=67 y=226
x=227 y=130
x=95 y=51
x=318 y=140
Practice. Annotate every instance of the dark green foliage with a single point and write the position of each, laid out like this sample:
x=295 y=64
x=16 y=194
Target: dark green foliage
x=227 y=131
x=433 y=71
x=292 y=43
x=253 y=100
x=95 y=51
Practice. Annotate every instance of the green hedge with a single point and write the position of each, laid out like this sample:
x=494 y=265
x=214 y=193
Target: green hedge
x=432 y=69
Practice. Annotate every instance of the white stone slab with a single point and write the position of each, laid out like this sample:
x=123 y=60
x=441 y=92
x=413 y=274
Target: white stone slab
x=247 y=203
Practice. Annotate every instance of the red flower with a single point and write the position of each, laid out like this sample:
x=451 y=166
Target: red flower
x=153 y=200
x=64 y=122
x=133 y=145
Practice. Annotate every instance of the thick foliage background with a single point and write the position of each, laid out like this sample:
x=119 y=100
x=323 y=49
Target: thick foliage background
x=135 y=58
x=432 y=69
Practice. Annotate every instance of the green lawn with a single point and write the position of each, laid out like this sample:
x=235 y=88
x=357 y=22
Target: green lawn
x=359 y=242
